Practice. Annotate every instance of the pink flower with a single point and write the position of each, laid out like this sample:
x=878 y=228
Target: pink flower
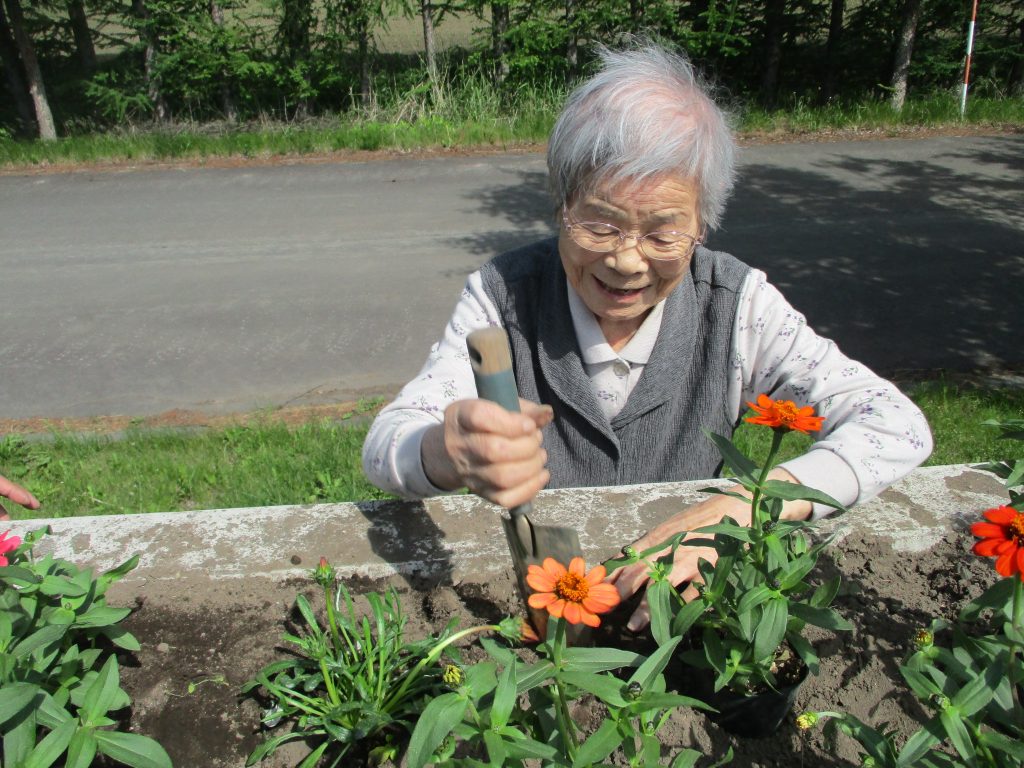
x=6 y=545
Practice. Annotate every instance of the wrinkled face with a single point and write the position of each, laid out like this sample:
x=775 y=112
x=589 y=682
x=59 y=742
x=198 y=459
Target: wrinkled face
x=621 y=287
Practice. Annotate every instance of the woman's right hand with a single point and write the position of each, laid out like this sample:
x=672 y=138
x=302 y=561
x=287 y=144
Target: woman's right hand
x=17 y=494
x=495 y=453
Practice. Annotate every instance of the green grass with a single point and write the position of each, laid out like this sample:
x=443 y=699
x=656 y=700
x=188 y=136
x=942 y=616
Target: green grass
x=266 y=463
x=471 y=114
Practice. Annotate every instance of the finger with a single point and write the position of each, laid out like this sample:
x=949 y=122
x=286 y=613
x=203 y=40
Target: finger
x=3 y=513
x=542 y=415
x=486 y=417
x=17 y=494
x=641 y=617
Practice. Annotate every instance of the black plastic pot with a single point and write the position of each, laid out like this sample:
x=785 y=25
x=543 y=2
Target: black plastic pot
x=756 y=716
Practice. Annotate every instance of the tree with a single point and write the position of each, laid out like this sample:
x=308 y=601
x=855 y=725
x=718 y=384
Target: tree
x=227 y=101
x=149 y=40
x=774 y=23
x=904 y=52
x=294 y=30
x=429 y=48
x=33 y=75
x=83 y=36
x=13 y=74
x=835 y=36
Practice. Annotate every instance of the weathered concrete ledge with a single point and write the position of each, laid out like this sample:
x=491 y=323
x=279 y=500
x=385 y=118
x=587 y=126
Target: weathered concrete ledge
x=452 y=537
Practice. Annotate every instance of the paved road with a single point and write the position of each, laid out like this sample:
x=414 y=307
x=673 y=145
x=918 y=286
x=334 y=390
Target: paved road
x=230 y=289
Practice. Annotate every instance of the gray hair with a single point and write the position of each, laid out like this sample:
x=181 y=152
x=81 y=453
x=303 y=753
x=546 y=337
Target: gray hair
x=644 y=114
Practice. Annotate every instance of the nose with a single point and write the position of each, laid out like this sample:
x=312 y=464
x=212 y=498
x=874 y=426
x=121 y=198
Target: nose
x=627 y=258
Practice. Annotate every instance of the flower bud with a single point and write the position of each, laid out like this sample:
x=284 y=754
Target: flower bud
x=453 y=676
x=807 y=720
x=940 y=701
x=324 y=574
x=923 y=640
x=634 y=691
x=868 y=761
x=630 y=551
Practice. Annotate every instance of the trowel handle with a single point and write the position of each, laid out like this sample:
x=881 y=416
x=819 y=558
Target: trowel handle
x=491 y=361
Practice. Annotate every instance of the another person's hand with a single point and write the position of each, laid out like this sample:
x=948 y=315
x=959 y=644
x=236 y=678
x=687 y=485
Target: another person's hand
x=17 y=494
x=631 y=579
x=495 y=453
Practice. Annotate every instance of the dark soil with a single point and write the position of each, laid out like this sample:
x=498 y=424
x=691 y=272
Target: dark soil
x=198 y=650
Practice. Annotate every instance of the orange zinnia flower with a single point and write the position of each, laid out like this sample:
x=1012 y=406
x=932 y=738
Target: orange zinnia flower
x=784 y=414
x=1002 y=537
x=571 y=592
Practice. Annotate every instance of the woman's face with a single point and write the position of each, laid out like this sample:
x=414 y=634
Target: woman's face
x=622 y=286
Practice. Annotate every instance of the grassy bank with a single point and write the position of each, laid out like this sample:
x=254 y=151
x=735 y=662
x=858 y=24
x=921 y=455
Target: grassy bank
x=265 y=462
x=473 y=116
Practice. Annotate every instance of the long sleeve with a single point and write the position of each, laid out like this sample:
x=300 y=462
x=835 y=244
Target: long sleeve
x=872 y=435
x=391 y=452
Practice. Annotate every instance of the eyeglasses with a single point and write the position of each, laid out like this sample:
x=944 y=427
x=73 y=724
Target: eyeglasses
x=599 y=237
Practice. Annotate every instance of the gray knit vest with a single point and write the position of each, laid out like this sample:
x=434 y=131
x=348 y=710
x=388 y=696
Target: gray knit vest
x=659 y=434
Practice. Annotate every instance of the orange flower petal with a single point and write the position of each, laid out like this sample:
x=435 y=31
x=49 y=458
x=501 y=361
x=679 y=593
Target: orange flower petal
x=554 y=568
x=540 y=580
x=577 y=566
x=603 y=594
x=596 y=575
x=1000 y=516
x=541 y=599
x=573 y=613
x=986 y=548
x=590 y=619
x=1006 y=562
x=557 y=608
x=988 y=531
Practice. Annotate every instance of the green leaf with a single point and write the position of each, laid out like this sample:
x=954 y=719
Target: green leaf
x=753 y=598
x=521 y=747
x=102 y=692
x=82 y=749
x=51 y=746
x=504 y=697
x=435 y=723
x=771 y=629
x=533 y=675
x=979 y=691
x=307 y=612
x=121 y=570
x=132 y=749
x=122 y=638
x=655 y=664
x=686 y=759
x=957 y=732
x=1012 y=747
x=101 y=616
x=601 y=743
x=686 y=616
x=481 y=678
x=57 y=586
x=919 y=684
x=919 y=743
x=998 y=597
x=270 y=745
x=14 y=698
x=605 y=687
x=495 y=748
x=826 y=618
x=598 y=659
x=826 y=593
x=19 y=740
x=41 y=638
x=745 y=469
x=779 y=489
x=659 y=596
x=804 y=650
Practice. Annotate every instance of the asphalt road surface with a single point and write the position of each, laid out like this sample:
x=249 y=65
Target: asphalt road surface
x=136 y=292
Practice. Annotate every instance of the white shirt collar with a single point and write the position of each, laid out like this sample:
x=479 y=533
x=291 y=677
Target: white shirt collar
x=595 y=347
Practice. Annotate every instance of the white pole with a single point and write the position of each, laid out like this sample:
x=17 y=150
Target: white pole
x=967 y=65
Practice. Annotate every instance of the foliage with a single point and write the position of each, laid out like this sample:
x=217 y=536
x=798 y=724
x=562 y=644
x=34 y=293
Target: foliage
x=973 y=680
x=59 y=679
x=354 y=680
x=756 y=599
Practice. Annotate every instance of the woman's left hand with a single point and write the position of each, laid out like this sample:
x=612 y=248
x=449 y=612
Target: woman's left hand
x=17 y=494
x=631 y=579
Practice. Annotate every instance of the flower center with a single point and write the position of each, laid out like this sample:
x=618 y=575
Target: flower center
x=1016 y=528
x=572 y=588
x=787 y=411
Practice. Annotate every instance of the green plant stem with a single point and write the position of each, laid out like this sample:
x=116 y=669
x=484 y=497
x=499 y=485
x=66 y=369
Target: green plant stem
x=332 y=619
x=431 y=657
x=329 y=682
x=979 y=746
x=1018 y=626
x=564 y=719
x=756 y=521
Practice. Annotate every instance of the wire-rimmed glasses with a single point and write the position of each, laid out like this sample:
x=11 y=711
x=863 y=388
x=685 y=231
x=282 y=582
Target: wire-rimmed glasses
x=599 y=237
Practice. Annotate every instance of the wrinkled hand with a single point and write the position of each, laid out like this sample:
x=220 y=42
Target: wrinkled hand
x=631 y=579
x=495 y=453
x=17 y=494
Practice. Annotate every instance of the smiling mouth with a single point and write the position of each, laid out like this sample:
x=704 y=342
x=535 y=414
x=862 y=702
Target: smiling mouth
x=623 y=292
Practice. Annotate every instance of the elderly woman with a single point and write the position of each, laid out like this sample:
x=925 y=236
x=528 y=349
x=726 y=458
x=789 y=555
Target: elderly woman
x=630 y=338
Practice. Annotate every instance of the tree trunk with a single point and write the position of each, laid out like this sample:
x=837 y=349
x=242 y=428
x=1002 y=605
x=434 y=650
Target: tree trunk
x=148 y=39
x=1015 y=81
x=429 y=49
x=499 y=27
x=835 y=37
x=636 y=14
x=36 y=89
x=14 y=75
x=83 y=37
x=227 y=101
x=572 y=43
x=775 y=18
x=904 y=52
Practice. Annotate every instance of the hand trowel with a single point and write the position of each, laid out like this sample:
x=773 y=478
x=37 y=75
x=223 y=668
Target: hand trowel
x=528 y=542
